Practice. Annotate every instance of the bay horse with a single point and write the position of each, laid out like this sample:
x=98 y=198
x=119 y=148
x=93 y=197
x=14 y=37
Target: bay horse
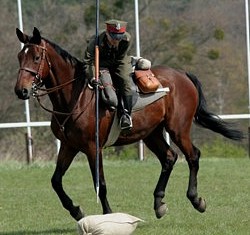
x=44 y=63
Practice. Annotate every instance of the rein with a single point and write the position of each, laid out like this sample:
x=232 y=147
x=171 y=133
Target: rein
x=68 y=115
x=47 y=91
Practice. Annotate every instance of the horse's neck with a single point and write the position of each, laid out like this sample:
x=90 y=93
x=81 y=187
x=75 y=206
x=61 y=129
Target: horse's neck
x=64 y=76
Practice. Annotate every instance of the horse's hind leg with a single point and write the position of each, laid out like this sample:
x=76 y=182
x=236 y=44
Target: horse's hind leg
x=192 y=155
x=167 y=157
x=192 y=194
x=65 y=157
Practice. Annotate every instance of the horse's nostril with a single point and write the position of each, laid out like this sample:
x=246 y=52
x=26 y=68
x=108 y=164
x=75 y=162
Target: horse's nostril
x=25 y=92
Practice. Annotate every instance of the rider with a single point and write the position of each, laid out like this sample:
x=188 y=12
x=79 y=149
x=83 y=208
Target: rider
x=114 y=44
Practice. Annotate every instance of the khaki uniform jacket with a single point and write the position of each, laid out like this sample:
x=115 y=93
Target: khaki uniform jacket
x=116 y=60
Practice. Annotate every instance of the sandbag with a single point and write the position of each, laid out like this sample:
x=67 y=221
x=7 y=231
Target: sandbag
x=140 y=63
x=109 y=224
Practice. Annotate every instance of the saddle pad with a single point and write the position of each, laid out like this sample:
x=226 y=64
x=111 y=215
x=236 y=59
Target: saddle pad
x=142 y=101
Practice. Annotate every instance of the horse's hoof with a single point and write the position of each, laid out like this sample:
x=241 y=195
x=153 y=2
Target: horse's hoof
x=161 y=210
x=202 y=205
x=78 y=213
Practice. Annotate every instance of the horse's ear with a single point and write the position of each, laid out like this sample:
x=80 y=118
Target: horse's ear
x=36 y=39
x=21 y=36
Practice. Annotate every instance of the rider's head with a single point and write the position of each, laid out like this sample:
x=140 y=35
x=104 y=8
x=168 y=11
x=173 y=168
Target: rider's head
x=115 y=30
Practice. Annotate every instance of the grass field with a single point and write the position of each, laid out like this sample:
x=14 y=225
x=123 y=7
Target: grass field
x=28 y=205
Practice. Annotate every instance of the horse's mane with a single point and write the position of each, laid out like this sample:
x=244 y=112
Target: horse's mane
x=64 y=54
x=80 y=65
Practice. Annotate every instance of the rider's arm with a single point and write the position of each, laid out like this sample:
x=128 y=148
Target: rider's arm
x=89 y=58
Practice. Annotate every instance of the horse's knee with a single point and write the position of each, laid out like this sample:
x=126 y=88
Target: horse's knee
x=56 y=181
x=170 y=161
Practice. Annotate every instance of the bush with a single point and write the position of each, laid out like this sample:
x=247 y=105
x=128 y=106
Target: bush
x=219 y=34
x=213 y=54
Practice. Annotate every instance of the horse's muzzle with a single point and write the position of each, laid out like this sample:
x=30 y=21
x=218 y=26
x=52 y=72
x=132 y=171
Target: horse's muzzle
x=22 y=94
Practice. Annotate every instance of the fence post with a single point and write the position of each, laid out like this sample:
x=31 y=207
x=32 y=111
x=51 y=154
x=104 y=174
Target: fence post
x=29 y=143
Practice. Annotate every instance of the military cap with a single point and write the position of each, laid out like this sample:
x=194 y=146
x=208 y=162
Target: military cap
x=116 y=28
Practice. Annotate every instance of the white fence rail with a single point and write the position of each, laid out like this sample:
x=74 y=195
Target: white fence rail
x=28 y=139
x=24 y=124
x=47 y=123
x=235 y=116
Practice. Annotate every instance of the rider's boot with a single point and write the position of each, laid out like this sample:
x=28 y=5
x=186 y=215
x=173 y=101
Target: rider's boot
x=126 y=120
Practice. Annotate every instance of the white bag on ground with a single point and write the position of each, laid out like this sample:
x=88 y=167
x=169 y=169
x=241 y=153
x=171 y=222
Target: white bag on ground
x=109 y=224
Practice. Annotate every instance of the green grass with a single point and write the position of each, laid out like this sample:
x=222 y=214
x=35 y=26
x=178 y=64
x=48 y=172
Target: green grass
x=28 y=205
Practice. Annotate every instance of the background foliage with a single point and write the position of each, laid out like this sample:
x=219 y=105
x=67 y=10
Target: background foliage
x=205 y=37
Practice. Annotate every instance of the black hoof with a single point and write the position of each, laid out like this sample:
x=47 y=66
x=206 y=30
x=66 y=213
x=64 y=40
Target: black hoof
x=200 y=205
x=161 y=210
x=77 y=214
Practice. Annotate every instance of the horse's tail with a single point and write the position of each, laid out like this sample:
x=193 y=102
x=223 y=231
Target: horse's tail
x=210 y=120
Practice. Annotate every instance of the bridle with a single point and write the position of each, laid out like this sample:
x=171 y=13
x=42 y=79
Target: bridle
x=38 y=83
x=38 y=74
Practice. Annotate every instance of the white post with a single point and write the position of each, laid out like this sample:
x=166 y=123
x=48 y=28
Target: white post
x=248 y=68
x=27 y=110
x=248 y=53
x=137 y=30
x=137 y=38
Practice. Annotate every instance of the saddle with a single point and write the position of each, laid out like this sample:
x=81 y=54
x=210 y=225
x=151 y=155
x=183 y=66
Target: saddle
x=148 y=90
x=146 y=86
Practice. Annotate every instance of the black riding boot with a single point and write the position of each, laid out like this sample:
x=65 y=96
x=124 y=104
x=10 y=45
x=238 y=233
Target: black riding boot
x=126 y=120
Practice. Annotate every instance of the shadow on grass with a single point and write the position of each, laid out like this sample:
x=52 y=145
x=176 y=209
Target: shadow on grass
x=51 y=231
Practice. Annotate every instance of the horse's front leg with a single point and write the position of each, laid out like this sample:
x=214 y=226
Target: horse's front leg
x=65 y=157
x=102 y=184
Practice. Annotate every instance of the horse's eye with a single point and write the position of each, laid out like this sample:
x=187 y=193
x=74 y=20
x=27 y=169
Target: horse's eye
x=37 y=58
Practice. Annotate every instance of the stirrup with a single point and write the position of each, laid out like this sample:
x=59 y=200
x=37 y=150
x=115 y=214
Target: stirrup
x=126 y=122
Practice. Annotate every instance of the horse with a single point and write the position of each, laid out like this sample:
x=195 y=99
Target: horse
x=46 y=66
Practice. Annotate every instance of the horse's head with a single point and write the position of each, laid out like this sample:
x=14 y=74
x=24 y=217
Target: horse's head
x=34 y=65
